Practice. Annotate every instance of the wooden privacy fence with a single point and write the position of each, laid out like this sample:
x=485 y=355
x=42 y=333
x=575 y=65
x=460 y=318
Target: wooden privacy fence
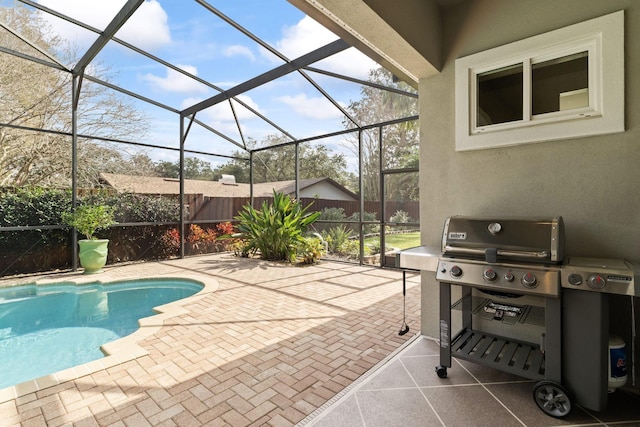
x=204 y=208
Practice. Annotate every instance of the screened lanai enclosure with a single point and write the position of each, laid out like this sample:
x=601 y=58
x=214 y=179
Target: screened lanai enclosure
x=179 y=115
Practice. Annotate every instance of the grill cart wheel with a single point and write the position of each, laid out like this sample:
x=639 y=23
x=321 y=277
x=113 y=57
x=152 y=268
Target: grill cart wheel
x=552 y=398
x=441 y=371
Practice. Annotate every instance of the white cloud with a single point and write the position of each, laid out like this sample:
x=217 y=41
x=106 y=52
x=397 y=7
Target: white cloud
x=175 y=81
x=221 y=113
x=350 y=62
x=147 y=28
x=316 y=108
x=308 y=35
x=239 y=50
x=188 y=102
x=242 y=112
x=303 y=37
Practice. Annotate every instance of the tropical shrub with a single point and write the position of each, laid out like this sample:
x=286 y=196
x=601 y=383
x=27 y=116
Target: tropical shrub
x=198 y=235
x=310 y=250
x=366 y=216
x=275 y=231
x=400 y=216
x=332 y=214
x=351 y=249
x=207 y=240
x=373 y=247
x=336 y=237
x=225 y=229
x=329 y=214
x=240 y=248
x=170 y=242
x=200 y=240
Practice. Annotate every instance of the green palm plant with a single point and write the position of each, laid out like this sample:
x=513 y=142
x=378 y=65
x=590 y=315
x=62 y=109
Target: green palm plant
x=275 y=230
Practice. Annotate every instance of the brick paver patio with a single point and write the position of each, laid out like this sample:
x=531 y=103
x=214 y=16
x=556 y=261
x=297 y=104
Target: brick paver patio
x=272 y=344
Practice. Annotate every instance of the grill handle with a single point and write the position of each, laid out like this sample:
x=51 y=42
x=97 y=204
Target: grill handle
x=501 y=252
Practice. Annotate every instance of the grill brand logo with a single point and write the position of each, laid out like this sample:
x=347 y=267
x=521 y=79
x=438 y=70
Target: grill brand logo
x=619 y=279
x=457 y=235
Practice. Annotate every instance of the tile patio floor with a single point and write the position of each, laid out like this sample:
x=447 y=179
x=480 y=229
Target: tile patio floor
x=406 y=392
x=278 y=345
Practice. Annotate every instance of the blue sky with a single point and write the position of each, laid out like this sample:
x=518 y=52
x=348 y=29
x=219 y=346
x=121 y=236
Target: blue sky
x=184 y=33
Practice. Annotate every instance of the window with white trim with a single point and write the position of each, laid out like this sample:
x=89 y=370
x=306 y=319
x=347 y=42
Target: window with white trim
x=562 y=84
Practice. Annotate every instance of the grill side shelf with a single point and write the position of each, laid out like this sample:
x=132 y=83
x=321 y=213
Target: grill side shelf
x=508 y=355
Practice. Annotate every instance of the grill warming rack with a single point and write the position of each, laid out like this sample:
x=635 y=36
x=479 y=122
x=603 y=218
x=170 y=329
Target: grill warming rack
x=487 y=309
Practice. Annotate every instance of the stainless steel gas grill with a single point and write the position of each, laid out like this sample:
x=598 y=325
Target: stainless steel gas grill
x=509 y=298
x=516 y=302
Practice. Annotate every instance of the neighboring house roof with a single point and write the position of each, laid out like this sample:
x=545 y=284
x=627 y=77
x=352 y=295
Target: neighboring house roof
x=159 y=185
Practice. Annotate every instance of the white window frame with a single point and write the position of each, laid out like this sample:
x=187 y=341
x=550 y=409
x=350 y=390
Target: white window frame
x=602 y=38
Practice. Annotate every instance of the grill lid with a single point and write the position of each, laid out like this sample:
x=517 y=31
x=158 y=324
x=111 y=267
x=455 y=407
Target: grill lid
x=519 y=239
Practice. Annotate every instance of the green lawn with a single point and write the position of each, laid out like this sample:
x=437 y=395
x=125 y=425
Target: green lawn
x=400 y=241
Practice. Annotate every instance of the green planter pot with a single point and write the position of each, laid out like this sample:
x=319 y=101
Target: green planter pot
x=93 y=255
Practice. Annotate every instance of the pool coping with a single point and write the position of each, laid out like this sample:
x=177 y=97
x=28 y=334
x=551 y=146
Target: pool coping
x=121 y=350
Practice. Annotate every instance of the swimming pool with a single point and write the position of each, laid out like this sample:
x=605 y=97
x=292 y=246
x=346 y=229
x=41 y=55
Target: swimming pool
x=48 y=328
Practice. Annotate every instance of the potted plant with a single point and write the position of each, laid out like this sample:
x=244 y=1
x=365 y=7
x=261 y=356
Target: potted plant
x=87 y=219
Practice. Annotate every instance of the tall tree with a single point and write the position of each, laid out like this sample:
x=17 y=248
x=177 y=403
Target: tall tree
x=114 y=161
x=278 y=163
x=168 y=169
x=194 y=168
x=37 y=96
x=238 y=168
x=400 y=141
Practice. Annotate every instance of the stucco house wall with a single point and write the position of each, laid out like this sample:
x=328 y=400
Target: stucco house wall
x=326 y=190
x=593 y=182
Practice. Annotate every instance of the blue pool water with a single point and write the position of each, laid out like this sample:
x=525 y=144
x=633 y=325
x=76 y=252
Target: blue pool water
x=44 y=329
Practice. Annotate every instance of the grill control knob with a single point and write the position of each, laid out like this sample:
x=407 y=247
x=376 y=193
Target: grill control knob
x=529 y=280
x=596 y=281
x=508 y=276
x=575 y=279
x=456 y=271
x=490 y=275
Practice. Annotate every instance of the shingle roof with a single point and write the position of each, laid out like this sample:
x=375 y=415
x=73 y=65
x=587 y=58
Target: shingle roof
x=159 y=185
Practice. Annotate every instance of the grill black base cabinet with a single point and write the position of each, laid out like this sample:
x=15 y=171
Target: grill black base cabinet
x=572 y=366
x=585 y=346
x=537 y=361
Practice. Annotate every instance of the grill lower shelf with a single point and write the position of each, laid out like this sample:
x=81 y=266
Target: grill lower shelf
x=505 y=354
